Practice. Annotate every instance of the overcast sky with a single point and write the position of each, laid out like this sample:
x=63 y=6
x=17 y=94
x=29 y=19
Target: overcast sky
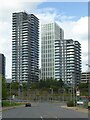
x=72 y=17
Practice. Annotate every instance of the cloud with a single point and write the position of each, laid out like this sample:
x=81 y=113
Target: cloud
x=76 y=29
x=17 y=4
x=7 y=7
x=51 y=14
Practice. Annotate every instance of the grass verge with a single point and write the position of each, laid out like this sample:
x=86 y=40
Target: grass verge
x=9 y=104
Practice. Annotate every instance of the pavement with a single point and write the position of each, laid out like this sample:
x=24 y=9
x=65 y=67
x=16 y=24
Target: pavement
x=76 y=109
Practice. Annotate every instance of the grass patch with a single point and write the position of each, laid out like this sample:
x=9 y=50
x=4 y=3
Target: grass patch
x=8 y=104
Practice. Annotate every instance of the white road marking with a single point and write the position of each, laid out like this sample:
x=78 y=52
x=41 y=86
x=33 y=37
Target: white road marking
x=41 y=117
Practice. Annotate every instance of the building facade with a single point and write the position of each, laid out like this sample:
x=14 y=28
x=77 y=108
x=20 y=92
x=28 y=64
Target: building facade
x=25 y=47
x=8 y=80
x=51 y=57
x=71 y=61
x=85 y=77
x=2 y=65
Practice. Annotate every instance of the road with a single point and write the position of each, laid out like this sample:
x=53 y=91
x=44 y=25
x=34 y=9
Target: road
x=43 y=110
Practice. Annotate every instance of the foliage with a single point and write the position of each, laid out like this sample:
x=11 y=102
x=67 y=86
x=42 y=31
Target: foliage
x=24 y=85
x=83 y=87
x=7 y=104
x=70 y=103
x=48 y=86
x=14 y=85
x=48 y=83
x=4 y=88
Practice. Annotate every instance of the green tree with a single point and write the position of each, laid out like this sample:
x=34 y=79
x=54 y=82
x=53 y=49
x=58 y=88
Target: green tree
x=14 y=88
x=14 y=85
x=83 y=87
x=4 y=87
x=61 y=83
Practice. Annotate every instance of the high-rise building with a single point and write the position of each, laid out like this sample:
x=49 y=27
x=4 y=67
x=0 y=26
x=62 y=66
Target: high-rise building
x=2 y=65
x=51 y=57
x=25 y=47
x=71 y=61
x=85 y=77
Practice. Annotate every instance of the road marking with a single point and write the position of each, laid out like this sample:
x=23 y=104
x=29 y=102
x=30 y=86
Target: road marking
x=41 y=117
x=56 y=117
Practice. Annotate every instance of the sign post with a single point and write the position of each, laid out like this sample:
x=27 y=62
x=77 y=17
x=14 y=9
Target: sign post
x=77 y=95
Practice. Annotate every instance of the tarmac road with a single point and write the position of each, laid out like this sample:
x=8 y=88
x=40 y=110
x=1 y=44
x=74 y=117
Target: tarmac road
x=43 y=110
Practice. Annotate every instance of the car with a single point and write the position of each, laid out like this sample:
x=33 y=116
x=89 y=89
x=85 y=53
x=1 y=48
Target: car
x=28 y=105
x=82 y=102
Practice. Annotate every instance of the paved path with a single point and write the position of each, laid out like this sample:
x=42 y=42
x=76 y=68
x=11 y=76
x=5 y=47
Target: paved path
x=77 y=109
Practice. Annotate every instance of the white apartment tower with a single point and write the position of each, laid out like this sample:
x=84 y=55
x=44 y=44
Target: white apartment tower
x=71 y=62
x=51 y=54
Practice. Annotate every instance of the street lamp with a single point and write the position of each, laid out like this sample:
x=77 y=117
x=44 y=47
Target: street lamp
x=88 y=79
x=73 y=88
x=20 y=89
x=51 y=92
x=10 y=93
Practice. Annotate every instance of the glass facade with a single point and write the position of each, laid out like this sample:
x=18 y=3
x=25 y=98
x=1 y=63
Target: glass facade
x=51 y=35
x=25 y=47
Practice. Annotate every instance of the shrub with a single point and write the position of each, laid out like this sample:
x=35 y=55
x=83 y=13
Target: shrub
x=7 y=104
x=70 y=103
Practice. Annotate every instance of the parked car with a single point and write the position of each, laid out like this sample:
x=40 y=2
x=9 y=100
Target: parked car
x=28 y=105
x=82 y=102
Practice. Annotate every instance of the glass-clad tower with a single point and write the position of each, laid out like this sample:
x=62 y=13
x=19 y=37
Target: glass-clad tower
x=71 y=61
x=25 y=47
x=51 y=56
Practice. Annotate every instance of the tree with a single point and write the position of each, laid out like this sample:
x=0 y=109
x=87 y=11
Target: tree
x=83 y=87
x=61 y=83
x=15 y=85
x=14 y=88
x=4 y=87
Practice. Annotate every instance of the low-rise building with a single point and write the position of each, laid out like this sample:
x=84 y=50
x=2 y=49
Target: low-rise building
x=85 y=77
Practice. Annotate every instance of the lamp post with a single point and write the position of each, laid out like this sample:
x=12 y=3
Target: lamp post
x=51 y=92
x=20 y=89
x=10 y=93
x=88 y=79
x=63 y=94
x=73 y=88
